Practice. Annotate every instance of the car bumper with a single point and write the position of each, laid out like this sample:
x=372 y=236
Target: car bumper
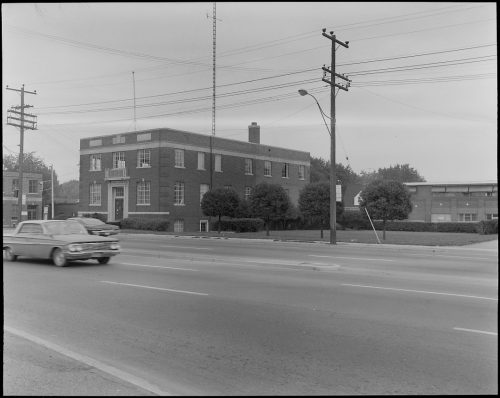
x=85 y=255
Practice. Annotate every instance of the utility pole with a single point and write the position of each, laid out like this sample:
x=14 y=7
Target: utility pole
x=19 y=118
x=333 y=176
x=52 y=189
x=135 y=120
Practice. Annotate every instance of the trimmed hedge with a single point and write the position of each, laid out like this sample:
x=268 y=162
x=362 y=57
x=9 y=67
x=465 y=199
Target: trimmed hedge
x=239 y=225
x=144 y=224
x=487 y=227
x=357 y=220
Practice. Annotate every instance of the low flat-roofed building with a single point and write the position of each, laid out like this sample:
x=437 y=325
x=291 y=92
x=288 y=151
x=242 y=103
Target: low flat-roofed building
x=453 y=201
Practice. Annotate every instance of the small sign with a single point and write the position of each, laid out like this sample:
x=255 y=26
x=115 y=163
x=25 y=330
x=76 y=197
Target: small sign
x=339 y=193
x=24 y=213
x=24 y=199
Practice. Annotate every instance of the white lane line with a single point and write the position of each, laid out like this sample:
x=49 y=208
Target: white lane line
x=352 y=258
x=422 y=291
x=476 y=331
x=442 y=255
x=156 y=288
x=127 y=377
x=158 y=266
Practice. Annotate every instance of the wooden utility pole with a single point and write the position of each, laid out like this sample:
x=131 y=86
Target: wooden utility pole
x=333 y=176
x=19 y=118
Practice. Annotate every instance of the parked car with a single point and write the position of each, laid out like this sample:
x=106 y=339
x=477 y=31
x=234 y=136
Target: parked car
x=59 y=240
x=96 y=226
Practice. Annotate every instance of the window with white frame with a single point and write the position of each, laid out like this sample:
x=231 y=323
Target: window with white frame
x=218 y=163
x=179 y=158
x=95 y=162
x=118 y=160
x=179 y=226
x=285 y=170
x=248 y=166
x=201 y=161
x=302 y=171
x=467 y=217
x=267 y=168
x=492 y=216
x=144 y=193
x=95 y=194
x=204 y=188
x=248 y=192
x=144 y=158
x=179 y=193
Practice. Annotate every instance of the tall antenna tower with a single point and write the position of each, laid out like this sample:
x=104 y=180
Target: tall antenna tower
x=214 y=43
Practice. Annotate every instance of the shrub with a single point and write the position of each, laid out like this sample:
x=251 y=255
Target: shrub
x=145 y=224
x=239 y=225
x=487 y=227
x=354 y=220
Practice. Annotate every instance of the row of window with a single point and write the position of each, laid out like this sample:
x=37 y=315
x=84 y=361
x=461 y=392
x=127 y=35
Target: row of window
x=467 y=194
x=144 y=161
x=143 y=191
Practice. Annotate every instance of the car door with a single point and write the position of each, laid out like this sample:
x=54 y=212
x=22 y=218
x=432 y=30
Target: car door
x=26 y=239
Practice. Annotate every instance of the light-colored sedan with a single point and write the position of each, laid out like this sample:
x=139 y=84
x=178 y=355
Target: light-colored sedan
x=59 y=240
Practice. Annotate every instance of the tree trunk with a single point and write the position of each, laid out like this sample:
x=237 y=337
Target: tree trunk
x=321 y=232
x=267 y=227
x=383 y=223
x=219 y=224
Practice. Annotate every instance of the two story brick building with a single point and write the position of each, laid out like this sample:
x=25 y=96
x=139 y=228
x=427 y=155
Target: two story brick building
x=163 y=173
x=32 y=193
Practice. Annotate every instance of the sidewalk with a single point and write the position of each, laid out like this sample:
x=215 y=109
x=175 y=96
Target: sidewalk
x=33 y=369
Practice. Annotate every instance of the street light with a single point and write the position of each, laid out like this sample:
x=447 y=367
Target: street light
x=333 y=179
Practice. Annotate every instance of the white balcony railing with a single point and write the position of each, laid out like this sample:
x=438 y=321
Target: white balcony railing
x=116 y=174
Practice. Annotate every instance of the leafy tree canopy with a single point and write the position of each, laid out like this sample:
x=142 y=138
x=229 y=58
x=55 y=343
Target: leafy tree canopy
x=33 y=164
x=401 y=173
x=386 y=200
x=269 y=202
x=220 y=202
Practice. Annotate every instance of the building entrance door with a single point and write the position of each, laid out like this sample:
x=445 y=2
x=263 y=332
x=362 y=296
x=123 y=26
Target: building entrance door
x=118 y=198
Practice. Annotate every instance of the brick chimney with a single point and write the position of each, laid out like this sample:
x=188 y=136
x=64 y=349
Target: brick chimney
x=254 y=133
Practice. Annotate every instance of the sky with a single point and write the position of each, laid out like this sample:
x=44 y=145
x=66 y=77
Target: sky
x=423 y=77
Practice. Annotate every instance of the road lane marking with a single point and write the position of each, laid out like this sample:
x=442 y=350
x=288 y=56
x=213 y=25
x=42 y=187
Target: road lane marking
x=352 y=258
x=158 y=266
x=156 y=288
x=476 y=331
x=125 y=376
x=422 y=291
x=442 y=255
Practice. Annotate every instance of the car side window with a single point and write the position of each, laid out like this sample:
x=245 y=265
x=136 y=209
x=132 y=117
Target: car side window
x=31 y=229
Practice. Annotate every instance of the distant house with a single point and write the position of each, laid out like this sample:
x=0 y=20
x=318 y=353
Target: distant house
x=351 y=197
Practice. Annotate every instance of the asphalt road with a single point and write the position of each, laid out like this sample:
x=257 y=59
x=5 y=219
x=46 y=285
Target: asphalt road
x=198 y=316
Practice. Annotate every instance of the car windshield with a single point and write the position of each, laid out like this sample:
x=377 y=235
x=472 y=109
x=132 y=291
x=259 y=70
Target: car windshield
x=91 y=221
x=65 y=228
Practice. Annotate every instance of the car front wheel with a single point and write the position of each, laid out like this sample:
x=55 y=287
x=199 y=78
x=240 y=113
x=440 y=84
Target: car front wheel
x=103 y=260
x=58 y=258
x=9 y=254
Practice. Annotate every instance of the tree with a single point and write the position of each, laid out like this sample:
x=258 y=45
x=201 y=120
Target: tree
x=269 y=202
x=69 y=190
x=220 y=202
x=33 y=164
x=401 y=173
x=386 y=200
x=314 y=203
x=320 y=172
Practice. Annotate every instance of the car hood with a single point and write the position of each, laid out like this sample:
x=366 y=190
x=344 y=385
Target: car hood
x=84 y=238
